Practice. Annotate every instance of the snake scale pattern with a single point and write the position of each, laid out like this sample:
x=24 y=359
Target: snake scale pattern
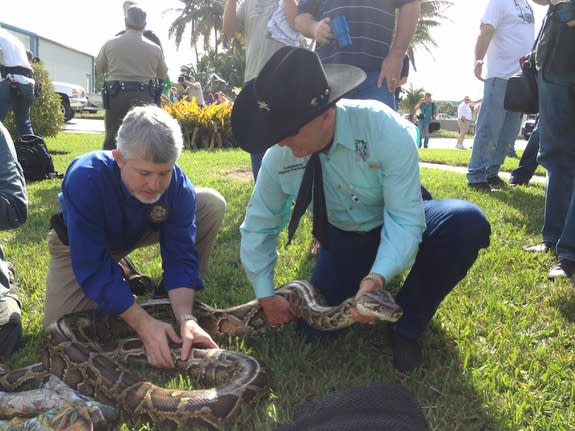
x=88 y=356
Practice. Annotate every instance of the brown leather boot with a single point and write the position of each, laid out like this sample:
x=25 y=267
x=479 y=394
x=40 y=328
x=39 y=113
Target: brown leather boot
x=139 y=283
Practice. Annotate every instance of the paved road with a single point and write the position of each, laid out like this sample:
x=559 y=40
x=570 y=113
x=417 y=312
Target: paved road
x=84 y=125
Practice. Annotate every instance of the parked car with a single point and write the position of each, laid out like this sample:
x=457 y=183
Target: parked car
x=528 y=126
x=72 y=98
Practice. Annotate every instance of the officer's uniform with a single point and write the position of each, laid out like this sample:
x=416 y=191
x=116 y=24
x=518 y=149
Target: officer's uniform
x=133 y=64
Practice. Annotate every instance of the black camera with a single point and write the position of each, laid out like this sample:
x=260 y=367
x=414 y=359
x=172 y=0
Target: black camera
x=181 y=79
x=421 y=116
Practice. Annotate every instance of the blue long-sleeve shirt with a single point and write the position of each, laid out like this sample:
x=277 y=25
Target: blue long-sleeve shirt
x=370 y=177
x=101 y=215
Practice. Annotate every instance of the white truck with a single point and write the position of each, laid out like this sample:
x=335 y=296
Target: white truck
x=72 y=98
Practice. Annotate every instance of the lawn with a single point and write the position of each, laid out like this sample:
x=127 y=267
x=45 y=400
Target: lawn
x=499 y=354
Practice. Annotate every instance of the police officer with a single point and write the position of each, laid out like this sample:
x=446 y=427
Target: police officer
x=16 y=82
x=134 y=65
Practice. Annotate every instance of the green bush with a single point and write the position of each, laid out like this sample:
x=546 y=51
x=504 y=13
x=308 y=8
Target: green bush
x=206 y=127
x=45 y=114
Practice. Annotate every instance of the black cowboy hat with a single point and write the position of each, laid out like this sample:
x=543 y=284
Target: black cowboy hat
x=292 y=89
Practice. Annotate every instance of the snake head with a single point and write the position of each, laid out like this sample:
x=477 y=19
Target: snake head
x=379 y=304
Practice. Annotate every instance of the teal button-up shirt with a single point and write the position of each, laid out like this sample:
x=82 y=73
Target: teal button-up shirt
x=371 y=178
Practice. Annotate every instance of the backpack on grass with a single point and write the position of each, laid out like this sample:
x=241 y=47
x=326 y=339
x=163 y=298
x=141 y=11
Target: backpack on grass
x=34 y=158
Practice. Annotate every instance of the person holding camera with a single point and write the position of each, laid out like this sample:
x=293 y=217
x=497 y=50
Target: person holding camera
x=380 y=34
x=428 y=112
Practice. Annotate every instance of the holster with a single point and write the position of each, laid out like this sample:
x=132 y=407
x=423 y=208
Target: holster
x=59 y=225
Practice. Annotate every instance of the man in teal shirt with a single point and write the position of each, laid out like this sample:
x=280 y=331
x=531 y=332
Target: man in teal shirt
x=428 y=112
x=377 y=224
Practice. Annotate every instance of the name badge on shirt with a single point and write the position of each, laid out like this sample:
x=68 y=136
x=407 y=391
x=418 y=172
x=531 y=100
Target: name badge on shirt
x=158 y=213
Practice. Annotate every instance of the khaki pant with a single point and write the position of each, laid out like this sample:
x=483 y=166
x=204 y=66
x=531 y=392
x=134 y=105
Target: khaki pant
x=63 y=293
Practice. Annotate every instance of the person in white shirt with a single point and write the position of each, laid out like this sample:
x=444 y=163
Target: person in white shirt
x=464 y=117
x=17 y=82
x=507 y=32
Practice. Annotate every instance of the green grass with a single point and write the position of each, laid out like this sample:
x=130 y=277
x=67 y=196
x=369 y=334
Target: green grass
x=499 y=354
x=461 y=158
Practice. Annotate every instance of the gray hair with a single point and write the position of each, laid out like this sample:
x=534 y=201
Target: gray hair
x=150 y=133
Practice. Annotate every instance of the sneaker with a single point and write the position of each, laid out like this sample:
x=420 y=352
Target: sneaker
x=564 y=268
x=543 y=247
x=460 y=147
x=516 y=182
x=482 y=186
x=407 y=354
x=496 y=181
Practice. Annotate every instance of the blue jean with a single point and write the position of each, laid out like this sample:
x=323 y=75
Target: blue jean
x=423 y=133
x=496 y=130
x=557 y=156
x=20 y=104
x=456 y=231
x=256 y=163
x=528 y=162
x=368 y=91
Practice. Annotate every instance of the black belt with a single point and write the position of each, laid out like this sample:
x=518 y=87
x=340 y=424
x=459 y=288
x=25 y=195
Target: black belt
x=17 y=70
x=130 y=85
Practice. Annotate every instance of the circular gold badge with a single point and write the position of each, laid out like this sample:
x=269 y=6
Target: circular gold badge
x=158 y=213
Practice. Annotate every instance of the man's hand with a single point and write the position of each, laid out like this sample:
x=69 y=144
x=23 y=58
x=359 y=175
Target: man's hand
x=390 y=71
x=322 y=31
x=366 y=285
x=155 y=334
x=478 y=71
x=277 y=309
x=194 y=334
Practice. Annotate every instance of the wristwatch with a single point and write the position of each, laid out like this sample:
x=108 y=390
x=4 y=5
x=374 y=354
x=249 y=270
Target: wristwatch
x=477 y=62
x=187 y=316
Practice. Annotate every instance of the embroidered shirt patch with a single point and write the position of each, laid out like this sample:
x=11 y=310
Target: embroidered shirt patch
x=361 y=153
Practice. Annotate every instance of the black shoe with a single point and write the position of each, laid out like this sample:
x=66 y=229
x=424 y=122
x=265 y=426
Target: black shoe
x=160 y=291
x=482 y=186
x=407 y=354
x=139 y=283
x=516 y=182
x=543 y=247
x=496 y=181
x=565 y=268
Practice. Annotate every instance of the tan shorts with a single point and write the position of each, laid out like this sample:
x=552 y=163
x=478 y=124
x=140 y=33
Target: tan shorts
x=463 y=127
x=63 y=293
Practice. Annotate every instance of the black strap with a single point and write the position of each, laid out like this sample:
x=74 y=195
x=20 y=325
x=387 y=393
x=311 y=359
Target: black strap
x=312 y=180
x=17 y=70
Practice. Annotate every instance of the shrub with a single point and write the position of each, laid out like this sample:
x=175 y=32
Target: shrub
x=45 y=113
x=205 y=127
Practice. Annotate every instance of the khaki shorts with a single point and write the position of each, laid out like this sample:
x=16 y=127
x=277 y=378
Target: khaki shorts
x=463 y=127
x=63 y=293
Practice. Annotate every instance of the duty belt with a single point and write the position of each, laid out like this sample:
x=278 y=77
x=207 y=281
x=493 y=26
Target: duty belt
x=16 y=70
x=130 y=85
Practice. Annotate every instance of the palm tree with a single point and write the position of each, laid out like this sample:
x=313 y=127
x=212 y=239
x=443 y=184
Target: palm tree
x=430 y=16
x=412 y=98
x=204 y=17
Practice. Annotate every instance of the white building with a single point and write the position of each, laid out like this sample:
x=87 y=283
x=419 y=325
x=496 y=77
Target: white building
x=63 y=63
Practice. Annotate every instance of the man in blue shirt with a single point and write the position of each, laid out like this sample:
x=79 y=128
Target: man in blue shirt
x=428 y=112
x=377 y=224
x=115 y=201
